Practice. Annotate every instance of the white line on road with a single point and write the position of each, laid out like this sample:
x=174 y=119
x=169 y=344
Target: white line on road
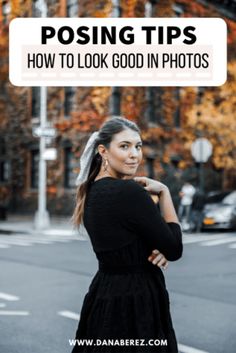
x=4 y=246
x=186 y=349
x=62 y=232
x=15 y=242
x=12 y=312
x=232 y=246
x=219 y=241
x=53 y=237
x=25 y=240
x=9 y=297
x=199 y=238
x=69 y=314
x=34 y=239
x=2 y=305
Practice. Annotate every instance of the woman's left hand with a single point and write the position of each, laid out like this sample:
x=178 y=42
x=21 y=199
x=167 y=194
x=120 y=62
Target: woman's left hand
x=157 y=258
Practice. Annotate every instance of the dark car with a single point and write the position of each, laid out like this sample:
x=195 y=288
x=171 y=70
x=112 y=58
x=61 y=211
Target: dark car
x=219 y=211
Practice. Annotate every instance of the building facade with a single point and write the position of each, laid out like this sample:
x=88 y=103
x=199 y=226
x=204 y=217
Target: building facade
x=170 y=118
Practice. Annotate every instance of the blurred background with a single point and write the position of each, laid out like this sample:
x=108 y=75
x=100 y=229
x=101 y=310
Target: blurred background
x=171 y=118
x=189 y=136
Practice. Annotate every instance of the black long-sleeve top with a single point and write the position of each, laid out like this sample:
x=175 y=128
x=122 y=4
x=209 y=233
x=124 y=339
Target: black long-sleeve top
x=119 y=211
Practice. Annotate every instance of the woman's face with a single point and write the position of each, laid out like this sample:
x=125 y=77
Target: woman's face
x=124 y=154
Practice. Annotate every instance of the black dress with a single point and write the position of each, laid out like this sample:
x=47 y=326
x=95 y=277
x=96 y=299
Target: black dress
x=127 y=298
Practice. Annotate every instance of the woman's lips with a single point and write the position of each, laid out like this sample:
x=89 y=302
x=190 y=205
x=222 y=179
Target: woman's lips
x=132 y=164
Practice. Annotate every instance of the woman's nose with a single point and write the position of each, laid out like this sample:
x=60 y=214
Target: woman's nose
x=134 y=152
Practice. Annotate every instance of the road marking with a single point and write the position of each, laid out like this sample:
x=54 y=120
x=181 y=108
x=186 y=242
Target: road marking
x=25 y=240
x=60 y=232
x=232 y=246
x=4 y=246
x=39 y=240
x=2 y=305
x=12 y=312
x=199 y=238
x=31 y=239
x=15 y=242
x=186 y=349
x=9 y=297
x=219 y=241
x=69 y=314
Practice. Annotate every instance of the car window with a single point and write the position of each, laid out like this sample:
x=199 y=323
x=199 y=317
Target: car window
x=215 y=197
x=230 y=199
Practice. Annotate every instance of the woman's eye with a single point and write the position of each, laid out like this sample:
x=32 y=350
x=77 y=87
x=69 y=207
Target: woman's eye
x=138 y=147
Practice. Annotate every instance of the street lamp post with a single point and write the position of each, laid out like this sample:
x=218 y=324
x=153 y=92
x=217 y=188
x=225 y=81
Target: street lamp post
x=42 y=219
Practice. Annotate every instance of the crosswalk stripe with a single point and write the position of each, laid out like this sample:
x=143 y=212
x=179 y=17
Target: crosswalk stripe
x=13 y=312
x=219 y=241
x=4 y=246
x=15 y=242
x=8 y=297
x=55 y=236
x=200 y=238
x=40 y=240
x=59 y=232
x=69 y=314
x=187 y=349
x=232 y=246
x=26 y=240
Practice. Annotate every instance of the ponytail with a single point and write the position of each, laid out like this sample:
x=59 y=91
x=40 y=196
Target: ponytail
x=82 y=190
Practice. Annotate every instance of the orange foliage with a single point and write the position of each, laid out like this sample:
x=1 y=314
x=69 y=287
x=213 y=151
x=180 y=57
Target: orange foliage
x=215 y=117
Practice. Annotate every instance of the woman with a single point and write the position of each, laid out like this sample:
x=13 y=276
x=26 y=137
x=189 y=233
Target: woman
x=127 y=301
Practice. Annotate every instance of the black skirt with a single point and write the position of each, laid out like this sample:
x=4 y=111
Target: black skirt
x=126 y=308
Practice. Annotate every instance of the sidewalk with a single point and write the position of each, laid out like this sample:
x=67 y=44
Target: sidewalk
x=25 y=224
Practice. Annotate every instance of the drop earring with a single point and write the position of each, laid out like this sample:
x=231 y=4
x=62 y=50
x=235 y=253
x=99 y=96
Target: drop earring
x=105 y=165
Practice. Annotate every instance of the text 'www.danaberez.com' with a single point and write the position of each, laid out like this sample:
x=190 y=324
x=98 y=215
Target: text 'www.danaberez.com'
x=118 y=342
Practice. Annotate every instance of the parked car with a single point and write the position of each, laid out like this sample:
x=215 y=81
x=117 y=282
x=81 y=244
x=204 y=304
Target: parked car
x=219 y=211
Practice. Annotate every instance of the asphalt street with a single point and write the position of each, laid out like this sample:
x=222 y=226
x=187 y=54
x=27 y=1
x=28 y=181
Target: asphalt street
x=44 y=279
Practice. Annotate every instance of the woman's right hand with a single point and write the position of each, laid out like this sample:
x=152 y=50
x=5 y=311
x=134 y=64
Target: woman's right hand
x=153 y=186
x=158 y=259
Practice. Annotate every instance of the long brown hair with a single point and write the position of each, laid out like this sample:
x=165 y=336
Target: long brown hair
x=110 y=127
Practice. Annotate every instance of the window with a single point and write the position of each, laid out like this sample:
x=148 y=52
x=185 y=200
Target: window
x=68 y=102
x=6 y=11
x=150 y=104
x=36 y=12
x=4 y=163
x=2 y=147
x=34 y=169
x=148 y=9
x=178 y=10
x=116 y=9
x=72 y=8
x=4 y=171
x=154 y=104
x=115 y=101
x=177 y=111
x=70 y=176
x=35 y=102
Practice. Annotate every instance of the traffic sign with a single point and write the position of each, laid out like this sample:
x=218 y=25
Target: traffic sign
x=201 y=149
x=50 y=154
x=46 y=132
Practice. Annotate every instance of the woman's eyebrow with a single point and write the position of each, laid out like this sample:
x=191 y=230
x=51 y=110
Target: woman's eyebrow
x=130 y=142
